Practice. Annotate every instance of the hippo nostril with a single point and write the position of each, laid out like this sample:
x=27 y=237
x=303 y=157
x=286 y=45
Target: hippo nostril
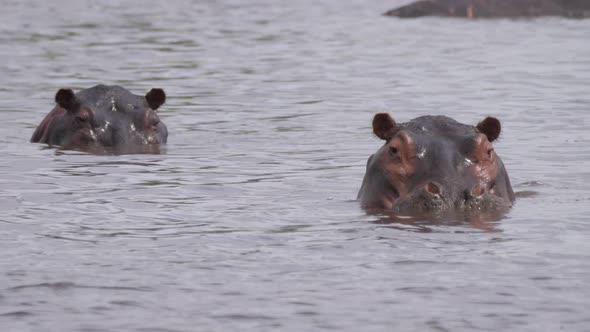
x=477 y=190
x=433 y=188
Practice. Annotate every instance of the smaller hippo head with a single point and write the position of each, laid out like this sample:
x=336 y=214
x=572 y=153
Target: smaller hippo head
x=433 y=165
x=104 y=119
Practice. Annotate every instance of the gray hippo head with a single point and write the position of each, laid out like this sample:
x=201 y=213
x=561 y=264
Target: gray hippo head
x=104 y=119
x=435 y=165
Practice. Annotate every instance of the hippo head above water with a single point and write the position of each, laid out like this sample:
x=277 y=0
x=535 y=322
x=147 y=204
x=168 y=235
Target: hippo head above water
x=104 y=119
x=434 y=165
x=493 y=8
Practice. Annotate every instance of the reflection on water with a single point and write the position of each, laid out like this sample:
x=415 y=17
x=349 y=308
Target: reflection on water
x=480 y=220
x=106 y=150
x=247 y=220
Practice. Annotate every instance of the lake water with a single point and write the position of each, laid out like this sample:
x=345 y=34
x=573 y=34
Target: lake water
x=248 y=220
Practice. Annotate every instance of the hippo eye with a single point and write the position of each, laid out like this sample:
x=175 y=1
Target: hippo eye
x=152 y=119
x=82 y=118
x=153 y=123
x=393 y=151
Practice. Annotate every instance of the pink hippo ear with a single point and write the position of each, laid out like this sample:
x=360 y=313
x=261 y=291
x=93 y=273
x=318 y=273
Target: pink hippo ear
x=490 y=127
x=155 y=98
x=384 y=126
x=66 y=98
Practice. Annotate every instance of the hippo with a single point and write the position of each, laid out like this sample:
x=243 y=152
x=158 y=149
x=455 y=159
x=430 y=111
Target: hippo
x=104 y=119
x=494 y=8
x=435 y=166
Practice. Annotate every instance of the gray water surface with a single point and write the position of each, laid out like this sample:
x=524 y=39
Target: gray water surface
x=247 y=221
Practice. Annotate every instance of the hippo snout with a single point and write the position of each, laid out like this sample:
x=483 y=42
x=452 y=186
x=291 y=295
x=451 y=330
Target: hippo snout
x=435 y=198
x=430 y=197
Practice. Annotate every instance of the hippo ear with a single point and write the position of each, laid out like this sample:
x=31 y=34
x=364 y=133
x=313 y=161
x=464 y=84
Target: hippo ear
x=490 y=127
x=66 y=98
x=384 y=126
x=155 y=98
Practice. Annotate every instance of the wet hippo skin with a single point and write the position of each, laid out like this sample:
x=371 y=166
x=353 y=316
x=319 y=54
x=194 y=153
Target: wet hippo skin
x=494 y=8
x=104 y=119
x=434 y=165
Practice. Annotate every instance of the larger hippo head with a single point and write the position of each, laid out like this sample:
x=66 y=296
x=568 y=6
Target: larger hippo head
x=434 y=165
x=104 y=119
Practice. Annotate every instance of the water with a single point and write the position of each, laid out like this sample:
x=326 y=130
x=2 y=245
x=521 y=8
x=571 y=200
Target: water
x=248 y=221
